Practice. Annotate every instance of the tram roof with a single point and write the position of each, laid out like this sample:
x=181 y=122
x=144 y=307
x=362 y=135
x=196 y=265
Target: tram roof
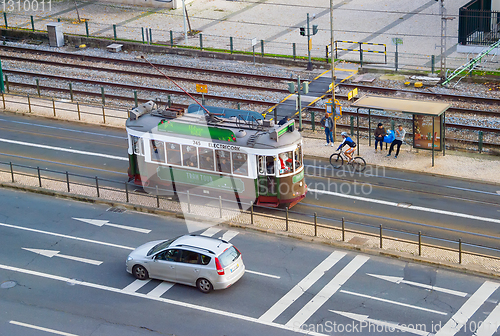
x=149 y=124
x=401 y=105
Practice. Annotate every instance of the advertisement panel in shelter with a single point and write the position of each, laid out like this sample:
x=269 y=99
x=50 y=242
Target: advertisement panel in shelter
x=423 y=132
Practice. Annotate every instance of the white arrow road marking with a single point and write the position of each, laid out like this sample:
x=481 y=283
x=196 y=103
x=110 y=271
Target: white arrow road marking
x=160 y=299
x=279 y=307
x=99 y=222
x=491 y=324
x=399 y=280
x=457 y=321
x=327 y=292
x=394 y=302
x=51 y=253
x=64 y=149
x=66 y=236
x=414 y=207
x=389 y=325
x=41 y=328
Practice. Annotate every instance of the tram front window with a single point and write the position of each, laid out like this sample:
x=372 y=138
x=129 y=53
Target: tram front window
x=137 y=145
x=286 y=163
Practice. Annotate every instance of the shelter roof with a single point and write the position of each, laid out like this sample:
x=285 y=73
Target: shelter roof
x=401 y=105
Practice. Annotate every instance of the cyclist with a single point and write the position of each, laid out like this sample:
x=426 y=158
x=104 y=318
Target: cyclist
x=347 y=141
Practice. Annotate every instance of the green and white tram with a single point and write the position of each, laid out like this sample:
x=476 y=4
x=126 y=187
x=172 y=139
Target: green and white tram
x=254 y=160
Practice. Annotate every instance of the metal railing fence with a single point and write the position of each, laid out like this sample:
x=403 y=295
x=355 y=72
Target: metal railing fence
x=338 y=229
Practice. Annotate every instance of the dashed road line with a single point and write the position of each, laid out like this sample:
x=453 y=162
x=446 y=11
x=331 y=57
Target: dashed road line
x=32 y=326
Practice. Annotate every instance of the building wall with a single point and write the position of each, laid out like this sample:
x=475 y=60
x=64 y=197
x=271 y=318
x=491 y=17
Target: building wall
x=495 y=5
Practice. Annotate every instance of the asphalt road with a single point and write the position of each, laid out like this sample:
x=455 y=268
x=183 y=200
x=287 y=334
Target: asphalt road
x=445 y=208
x=290 y=286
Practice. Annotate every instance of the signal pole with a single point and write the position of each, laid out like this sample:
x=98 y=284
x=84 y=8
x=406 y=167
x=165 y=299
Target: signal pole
x=333 y=67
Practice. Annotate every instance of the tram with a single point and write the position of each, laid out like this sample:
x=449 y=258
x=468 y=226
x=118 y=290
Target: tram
x=223 y=152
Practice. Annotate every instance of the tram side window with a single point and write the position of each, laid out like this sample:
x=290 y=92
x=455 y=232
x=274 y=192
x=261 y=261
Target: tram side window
x=173 y=153
x=298 y=157
x=206 y=158
x=189 y=156
x=137 y=145
x=223 y=161
x=286 y=162
x=157 y=151
x=240 y=164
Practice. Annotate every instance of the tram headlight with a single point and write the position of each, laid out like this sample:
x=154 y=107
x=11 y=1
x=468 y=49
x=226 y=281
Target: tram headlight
x=300 y=184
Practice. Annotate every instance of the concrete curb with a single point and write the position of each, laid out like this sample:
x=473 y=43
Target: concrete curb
x=469 y=269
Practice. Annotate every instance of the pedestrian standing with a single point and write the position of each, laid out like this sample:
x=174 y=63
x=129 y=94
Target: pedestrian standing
x=398 y=140
x=380 y=133
x=327 y=123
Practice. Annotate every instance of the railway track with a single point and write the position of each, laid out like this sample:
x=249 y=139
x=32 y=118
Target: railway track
x=136 y=63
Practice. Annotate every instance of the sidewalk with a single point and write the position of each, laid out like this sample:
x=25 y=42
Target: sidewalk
x=475 y=166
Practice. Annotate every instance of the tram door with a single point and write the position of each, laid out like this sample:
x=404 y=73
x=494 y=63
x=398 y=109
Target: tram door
x=267 y=175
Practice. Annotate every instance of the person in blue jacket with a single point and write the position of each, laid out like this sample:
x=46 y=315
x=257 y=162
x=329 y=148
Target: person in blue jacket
x=347 y=141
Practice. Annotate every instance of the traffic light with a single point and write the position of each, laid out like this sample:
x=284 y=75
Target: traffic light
x=315 y=29
x=302 y=31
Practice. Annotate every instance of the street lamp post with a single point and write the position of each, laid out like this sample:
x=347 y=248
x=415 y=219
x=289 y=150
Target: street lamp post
x=332 y=68
x=184 y=18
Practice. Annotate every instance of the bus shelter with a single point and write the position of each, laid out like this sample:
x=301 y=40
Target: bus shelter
x=428 y=119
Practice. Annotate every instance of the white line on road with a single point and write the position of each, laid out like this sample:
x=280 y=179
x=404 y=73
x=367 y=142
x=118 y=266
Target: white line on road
x=365 y=321
x=263 y=274
x=327 y=292
x=279 y=307
x=66 y=236
x=227 y=236
x=159 y=299
x=74 y=151
x=51 y=253
x=210 y=232
x=394 y=204
x=393 y=302
x=100 y=222
x=399 y=280
x=161 y=289
x=491 y=324
x=41 y=328
x=472 y=190
x=134 y=286
x=457 y=321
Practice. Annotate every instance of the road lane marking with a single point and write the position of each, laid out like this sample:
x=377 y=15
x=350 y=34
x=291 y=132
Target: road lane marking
x=61 y=149
x=279 y=307
x=393 y=302
x=364 y=320
x=51 y=253
x=136 y=285
x=227 y=236
x=473 y=190
x=263 y=274
x=327 y=292
x=68 y=237
x=491 y=324
x=457 y=321
x=394 y=204
x=41 y=328
x=161 y=289
x=100 y=222
x=399 y=280
x=160 y=299
x=210 y=232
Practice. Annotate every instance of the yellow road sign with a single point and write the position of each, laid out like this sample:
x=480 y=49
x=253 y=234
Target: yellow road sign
x=202 y=88
x=352 y=94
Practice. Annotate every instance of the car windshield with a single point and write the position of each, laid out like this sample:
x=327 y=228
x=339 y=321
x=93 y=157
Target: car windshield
x=160 y=246
x=228 y=256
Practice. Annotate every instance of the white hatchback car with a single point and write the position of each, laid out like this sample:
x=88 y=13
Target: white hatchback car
x=204 y=262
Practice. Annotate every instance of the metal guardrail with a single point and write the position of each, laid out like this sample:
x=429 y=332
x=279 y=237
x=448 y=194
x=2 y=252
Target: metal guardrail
x=312 y=225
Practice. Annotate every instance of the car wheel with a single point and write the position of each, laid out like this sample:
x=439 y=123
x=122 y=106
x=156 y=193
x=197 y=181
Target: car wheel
x=204 y=286
x=140 y=272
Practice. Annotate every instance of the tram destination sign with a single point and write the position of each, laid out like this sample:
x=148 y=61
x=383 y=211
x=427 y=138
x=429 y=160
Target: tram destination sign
x=208 y=132
x=288 y=127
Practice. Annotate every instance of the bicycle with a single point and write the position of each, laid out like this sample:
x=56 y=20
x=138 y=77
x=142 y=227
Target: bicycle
x=337 y=161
